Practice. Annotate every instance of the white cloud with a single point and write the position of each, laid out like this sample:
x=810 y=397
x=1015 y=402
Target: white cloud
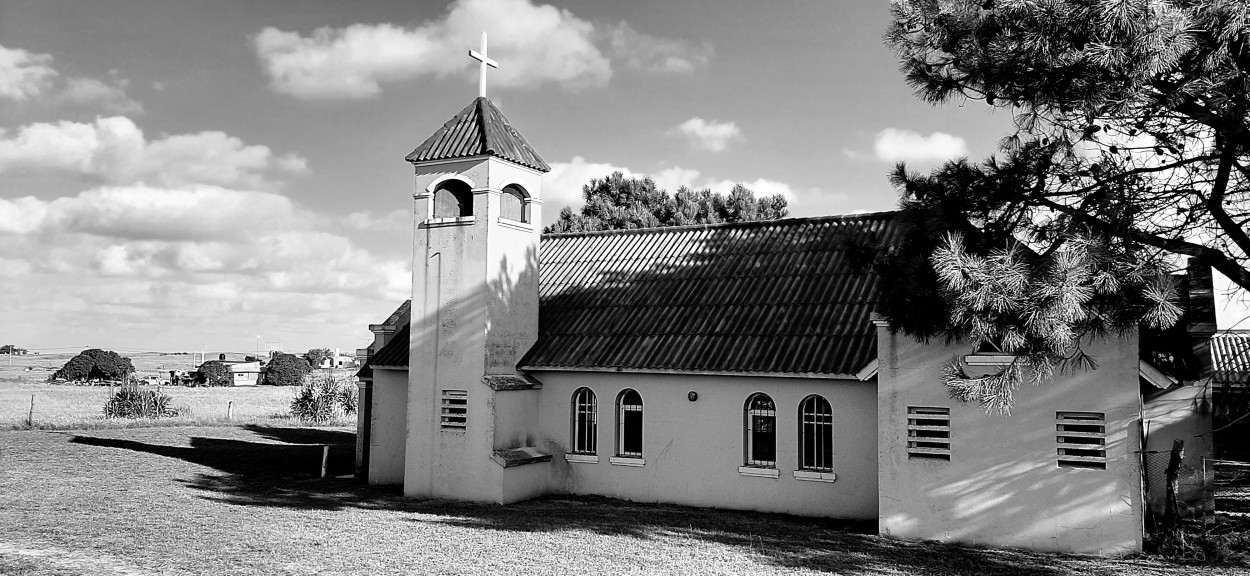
x=535 y=44
x=24 y=75
x=640 y=51
x=109 y=96
x=115 y=149
x=708 y=134
x=894 y=145
x=231 y=260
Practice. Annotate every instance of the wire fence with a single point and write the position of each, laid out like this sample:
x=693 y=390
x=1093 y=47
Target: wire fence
x=1195 y=492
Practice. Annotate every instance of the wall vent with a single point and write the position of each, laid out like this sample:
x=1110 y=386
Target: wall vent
x=455 y=408
x=1082 y=439
x=929 y=432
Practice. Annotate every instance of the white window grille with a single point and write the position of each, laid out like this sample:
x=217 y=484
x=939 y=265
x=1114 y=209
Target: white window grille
x=1082 y=439
x=929 y=432
x=455 y=408
x=629 y=424
x=584 y=428
x=815 y=434
x=761 y=431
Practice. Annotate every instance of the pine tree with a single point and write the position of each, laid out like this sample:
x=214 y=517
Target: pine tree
x=1131 y=146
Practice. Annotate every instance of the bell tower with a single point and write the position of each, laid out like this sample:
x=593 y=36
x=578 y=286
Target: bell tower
x=478 y=208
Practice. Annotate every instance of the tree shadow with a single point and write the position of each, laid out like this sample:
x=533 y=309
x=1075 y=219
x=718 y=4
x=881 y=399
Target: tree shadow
x=281 y=470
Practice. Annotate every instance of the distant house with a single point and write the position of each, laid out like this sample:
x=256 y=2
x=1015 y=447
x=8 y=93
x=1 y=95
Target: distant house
x=1230 y=355
x=243 y=372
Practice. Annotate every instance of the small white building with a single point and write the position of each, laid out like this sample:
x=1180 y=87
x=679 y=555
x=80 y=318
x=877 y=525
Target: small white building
x=736 y=366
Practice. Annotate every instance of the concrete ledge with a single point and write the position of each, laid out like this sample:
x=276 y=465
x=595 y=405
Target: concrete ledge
x=442 y=222
x=515 y=225
x=510 y=457
x=500 y=382
x=759 y=472
x=619 y=461
x=814 y=476
x=582 y=458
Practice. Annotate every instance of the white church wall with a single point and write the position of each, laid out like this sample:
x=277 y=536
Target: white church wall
x=387 y=436
x=692 y=451
x=1003 y=485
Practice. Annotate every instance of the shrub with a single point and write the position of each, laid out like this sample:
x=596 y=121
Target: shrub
x=286 y=370
x=131 y=401
x=213 y=373
x=323 y=398
x=94 y=364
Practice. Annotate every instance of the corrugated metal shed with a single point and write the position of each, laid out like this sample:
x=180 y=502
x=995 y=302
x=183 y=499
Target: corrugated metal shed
x=479 y=130
x=1230 y=355
x=395 y=353
x=771 y=297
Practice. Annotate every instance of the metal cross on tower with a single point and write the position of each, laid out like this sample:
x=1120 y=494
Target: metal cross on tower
x=481 y=84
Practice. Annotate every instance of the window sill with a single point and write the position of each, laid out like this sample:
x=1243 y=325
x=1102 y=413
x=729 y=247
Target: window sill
x=620 y=461
x=582 y=458
x=516 y=225
x=445 y=222
x=759 y=472
x=814 y=476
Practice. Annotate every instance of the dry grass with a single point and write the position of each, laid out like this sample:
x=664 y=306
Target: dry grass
x=64 y=406
x=247 y=501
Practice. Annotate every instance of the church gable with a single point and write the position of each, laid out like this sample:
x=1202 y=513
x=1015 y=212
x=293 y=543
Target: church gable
x=768 y=297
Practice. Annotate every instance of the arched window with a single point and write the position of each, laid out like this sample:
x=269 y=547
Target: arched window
x=453 y=198
x=584 y=413
x=512 y=204
x=815 y=434
x=629 y=424
x=761 y=431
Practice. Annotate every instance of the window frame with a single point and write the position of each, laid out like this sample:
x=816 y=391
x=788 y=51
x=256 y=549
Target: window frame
x=584 y=437
x=621 y=409
x=751 y=439
x=461 y=191
x=522 y=198
x=820 y=421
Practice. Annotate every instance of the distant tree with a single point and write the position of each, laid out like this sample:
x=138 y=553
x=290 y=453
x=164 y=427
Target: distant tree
x=619 y=202
x=315 y=356
x=94 y=364
x=214 y=373
x=286 y=370
x=11 y=349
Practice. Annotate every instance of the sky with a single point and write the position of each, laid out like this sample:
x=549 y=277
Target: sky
x=230 y=174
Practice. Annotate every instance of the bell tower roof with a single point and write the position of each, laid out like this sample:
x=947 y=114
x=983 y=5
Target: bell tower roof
x=478 y=130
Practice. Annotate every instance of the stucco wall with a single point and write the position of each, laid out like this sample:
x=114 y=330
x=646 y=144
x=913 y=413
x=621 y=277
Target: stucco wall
x=692 y=450
x=474 y=311
x=389 y=428
x=1002 y=485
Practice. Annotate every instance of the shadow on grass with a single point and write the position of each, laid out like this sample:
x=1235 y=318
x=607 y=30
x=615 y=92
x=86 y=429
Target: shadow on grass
x=282 y=470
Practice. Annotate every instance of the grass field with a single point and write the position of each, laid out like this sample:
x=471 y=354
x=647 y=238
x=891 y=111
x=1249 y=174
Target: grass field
x=64 y=406
x=247 y=500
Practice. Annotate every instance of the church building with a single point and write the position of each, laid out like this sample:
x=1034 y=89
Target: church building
x=736 y=366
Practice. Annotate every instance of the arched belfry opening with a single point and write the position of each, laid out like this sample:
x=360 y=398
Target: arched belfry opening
x=514 y=204
x=453 y=199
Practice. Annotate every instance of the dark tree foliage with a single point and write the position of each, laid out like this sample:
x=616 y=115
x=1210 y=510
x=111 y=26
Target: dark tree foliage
x=619 y=202
x=315 y=356
x=286 y=370
x=11 y=349
x=94 y=365
x=214 y=373
x=1132 y=146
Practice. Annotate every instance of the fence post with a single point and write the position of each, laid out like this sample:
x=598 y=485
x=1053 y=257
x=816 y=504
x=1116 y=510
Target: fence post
x=30 y=416
x=230 y=410
x=325 y=458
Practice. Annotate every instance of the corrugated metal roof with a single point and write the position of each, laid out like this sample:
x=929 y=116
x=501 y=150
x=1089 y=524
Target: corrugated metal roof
x=479 y=130
x=395 y=353
x=1230 y=356
x=758 y=297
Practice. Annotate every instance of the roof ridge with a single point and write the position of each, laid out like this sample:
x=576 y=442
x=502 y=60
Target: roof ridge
x=746 y=224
